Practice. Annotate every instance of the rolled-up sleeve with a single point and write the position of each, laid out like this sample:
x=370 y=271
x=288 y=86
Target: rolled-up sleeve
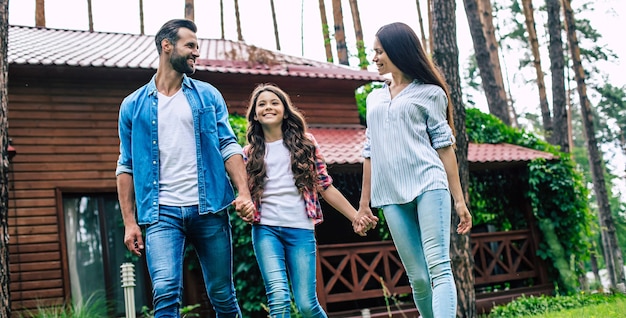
x=227 y=138
x=124 y=161
x=438 y=128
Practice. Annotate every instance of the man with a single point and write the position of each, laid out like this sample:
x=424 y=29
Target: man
x=176 y=149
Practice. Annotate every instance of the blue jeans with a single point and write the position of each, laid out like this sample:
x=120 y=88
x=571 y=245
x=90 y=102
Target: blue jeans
x=210 y=234
x=421 y=233
x=287 y=252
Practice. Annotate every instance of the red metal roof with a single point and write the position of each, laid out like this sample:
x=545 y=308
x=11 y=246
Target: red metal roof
x=44 y=46
x=343 y=145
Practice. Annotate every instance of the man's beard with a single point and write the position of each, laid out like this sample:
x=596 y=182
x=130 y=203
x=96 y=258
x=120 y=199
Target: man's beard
x=179 y=63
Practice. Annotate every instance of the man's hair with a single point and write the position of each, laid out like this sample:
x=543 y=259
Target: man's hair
x=169 y=31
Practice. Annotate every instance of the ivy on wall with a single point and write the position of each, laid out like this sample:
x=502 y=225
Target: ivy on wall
x=556 y=192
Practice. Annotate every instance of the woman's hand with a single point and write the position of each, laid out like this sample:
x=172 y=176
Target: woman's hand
x=465 y=223
x=364 y=221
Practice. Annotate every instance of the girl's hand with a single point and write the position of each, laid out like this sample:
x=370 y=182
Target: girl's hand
x=364 y=221
x=245 y=209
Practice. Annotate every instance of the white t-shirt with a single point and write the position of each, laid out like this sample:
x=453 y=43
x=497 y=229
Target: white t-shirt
x=281 y=202
x=178 y=174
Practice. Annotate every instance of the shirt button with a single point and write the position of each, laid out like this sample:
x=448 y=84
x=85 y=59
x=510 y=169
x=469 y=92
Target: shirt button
x=154 y=162
x=153 y=203
x=153 y=182
x=154 y=142
x=153 y=122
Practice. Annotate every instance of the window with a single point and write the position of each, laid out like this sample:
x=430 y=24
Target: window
x=95 y=250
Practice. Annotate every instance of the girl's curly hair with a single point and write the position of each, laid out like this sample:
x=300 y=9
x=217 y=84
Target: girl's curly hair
x=301 y=148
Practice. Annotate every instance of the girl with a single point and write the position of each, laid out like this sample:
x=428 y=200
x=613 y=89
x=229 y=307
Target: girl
x=286 y=171
x=412 y=177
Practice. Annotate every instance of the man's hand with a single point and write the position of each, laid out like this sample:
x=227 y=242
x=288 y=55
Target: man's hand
x=245 y=208
x=133 y=239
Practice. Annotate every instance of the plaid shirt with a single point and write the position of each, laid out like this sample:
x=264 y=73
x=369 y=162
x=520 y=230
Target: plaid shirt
x=310 y=196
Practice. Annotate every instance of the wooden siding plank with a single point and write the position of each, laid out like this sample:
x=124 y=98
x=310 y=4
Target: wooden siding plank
x=90 y=184
x=39 y=238
x=31 y=230
x=27 y=220
x=36 y=275
x=33 y=248
x=102 y=157
x=29 y=267
x=35 y=257
x=36 y=284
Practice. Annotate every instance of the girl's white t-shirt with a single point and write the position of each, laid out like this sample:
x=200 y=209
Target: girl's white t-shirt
x=282 y=204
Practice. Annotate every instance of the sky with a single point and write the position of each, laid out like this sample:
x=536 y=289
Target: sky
x=300 y=32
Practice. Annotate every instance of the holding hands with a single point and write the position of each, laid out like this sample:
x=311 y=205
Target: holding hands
x=364 y=220
x=245 y=208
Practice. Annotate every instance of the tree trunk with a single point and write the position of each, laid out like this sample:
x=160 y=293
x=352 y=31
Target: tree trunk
x=496 y=97
x=612 y=252
x=142 y=30
x=527 y=6
x=238 y=20
x=189 y=12
x=431 y=44
x=340 y=35
x=446 y=56
x=419 y=17
x=90 y=15
x=486 y=18
x=358 y=32
x=326 y=32
x=222 y=17
x=561 y=133
x=40 y=13
x=5 y=279
x=275 y=25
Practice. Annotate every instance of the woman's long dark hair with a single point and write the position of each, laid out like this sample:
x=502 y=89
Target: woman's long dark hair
x=406 y=52
x=300 y=147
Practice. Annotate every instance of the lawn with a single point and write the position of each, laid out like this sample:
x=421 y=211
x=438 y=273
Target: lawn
x=614 y=309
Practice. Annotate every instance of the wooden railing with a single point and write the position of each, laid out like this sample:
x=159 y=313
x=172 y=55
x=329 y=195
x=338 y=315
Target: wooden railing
x=503 y=256
x=360 y=270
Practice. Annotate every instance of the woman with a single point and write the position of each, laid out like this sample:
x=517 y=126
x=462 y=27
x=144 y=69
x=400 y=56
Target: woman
x=286 y=171
x=412 y=177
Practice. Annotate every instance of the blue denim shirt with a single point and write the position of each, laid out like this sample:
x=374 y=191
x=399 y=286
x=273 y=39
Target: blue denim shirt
x=139 y=147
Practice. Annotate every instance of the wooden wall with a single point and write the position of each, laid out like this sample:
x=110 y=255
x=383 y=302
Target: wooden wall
x=63 y=124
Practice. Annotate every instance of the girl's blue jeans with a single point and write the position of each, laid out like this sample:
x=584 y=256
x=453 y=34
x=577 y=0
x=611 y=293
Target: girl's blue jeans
x=210 y=234
x=287 y=255
x=421 y=233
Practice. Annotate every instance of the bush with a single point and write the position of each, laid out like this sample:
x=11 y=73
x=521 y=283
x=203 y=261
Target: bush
x=529 y=306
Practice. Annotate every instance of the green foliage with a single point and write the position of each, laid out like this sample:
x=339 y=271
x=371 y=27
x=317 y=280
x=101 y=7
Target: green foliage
x=93 y=307
x=530 y=306
x=361 y=97
x=239 y=125
x=556 y=193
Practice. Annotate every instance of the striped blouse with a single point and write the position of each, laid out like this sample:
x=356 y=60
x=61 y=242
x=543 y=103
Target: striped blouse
x=401 y=140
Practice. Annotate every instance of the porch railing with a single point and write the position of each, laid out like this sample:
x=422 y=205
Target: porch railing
x=364 y=270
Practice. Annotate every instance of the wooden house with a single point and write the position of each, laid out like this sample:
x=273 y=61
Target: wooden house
x=65 y=88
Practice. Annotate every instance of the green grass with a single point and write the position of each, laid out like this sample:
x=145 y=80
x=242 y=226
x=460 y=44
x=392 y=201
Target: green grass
x=614 y=309
x=582 y=304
